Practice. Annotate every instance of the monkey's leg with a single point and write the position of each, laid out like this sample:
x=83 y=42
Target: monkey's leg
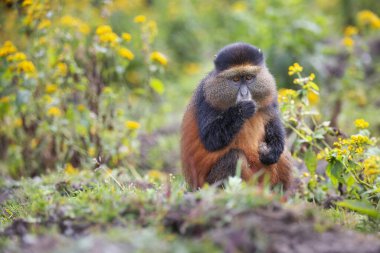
x=226 y=167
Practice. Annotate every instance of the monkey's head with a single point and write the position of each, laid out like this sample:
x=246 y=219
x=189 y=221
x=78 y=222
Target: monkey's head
x=240 y=74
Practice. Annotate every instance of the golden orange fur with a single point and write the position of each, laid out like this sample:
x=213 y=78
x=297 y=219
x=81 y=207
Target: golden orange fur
x=197 y=161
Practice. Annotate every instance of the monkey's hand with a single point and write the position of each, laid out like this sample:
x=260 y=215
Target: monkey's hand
x=246 y=109
x=266 y=155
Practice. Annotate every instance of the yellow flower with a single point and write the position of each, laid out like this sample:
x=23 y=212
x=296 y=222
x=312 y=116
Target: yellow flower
x=27 y=2
x=45 y=23
x=5 y=100
x=81 y=107
x=159 y=57
x=103 y=29
x=18 y=122
x=62 y=69
x=132 y=125
x=156 y=175
x=239 y=6
x=367 y=17
x=350 y=31
x=70 y=170
x=126 y=53
x=126 y=36
x=110 y=37
x=16 y=57
x=33 y=143
x=26 y=67
x=54 y=112
x=7 y=48
x=348 y=42
x=311 y=77
x=76 y=23
x=139 y=19
x=371 y=166
x=51 y=88
x=295 y=68
x=313 y=97
x=285 y=95
x=361 y=124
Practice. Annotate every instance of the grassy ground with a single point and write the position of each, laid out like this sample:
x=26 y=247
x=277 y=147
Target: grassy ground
x=113 y=211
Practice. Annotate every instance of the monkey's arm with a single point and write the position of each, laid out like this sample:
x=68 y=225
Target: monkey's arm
x=216 y=128
x=273 y=145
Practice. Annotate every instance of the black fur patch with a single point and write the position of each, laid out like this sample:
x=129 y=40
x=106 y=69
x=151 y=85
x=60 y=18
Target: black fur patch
x=238 y=54
x=217 y=128
x=224 y=168
x=275 y=140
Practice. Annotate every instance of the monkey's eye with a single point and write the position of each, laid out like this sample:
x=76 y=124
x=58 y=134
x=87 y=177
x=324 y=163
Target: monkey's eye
x=248 y=77
x=236 y=79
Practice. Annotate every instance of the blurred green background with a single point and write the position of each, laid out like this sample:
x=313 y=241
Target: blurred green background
x=83 y=79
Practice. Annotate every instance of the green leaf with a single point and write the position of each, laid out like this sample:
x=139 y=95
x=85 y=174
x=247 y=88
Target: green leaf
x=157 y=86
x=334 y=171
x=360 y=206
x=311 y=161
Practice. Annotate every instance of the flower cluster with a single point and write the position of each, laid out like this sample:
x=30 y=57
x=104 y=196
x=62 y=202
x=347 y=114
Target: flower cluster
x=7 y=48
x=361 y=124
x=76 y=23
x=159 y=57
x=367 y=17
x=17 y=60
x=294 y=69
x=106 y=35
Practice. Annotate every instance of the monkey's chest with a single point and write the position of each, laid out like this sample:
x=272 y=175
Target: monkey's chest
x=249 y=138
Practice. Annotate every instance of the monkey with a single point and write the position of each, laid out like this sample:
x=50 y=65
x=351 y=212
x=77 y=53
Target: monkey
x=233 y=116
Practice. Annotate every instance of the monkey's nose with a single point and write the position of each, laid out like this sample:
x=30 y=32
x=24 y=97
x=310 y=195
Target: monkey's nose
x=244 y=91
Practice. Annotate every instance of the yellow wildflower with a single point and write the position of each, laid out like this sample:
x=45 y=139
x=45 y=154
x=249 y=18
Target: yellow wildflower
x=285 y=95
x=7 y=48
x=18 y=122
x=33 y=143
x=371 y=165
x=139 y=19
x=76 y=23
x=156 y=175
x=81 y=107
x=27 y=3
x=132 y=125
x=295 y=68
x=313 y=97
x=159 y=57
x=110 y=37
x=311 y=77
x=348 y=42
x=126 y=36
x=5 y=100
x=51 y=88
x=54 y=112
x=126 y=53
x=350 y=31
x=361 y=124
x=62 y=69
x=239 y=6
x=16 y=57
x=103 y=29
x=45 y=23
x=26 y=67
x=70 y=170
x=367 y=17
x=359 y=139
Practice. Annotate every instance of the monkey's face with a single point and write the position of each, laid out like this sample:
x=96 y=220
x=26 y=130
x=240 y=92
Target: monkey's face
x=241 y=83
